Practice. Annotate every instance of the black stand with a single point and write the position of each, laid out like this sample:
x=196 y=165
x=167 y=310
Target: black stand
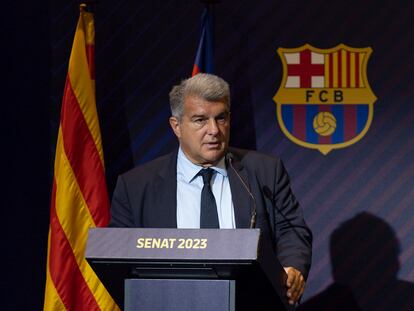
x=186 y=269
x=183 y=295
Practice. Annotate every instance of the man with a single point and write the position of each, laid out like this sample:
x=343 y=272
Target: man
x=208 y=184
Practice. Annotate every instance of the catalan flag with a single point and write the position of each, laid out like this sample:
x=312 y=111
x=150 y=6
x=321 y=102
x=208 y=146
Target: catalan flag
x=205 y=51
x=79 y=196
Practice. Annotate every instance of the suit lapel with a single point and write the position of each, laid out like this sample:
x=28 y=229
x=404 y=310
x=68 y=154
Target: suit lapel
x=241 y=198
x=165 y=209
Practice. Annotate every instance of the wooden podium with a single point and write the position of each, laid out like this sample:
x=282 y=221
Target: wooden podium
x=188 y=269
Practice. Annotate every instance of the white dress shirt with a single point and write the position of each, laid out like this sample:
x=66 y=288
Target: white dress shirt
x=189 y=186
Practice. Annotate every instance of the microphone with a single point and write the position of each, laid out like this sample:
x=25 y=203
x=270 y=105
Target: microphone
x=230 y=158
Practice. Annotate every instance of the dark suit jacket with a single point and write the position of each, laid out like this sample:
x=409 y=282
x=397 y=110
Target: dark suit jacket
x=146 y=196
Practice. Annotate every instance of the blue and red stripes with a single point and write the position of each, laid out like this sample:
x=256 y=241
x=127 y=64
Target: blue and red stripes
x=350 y=121
x=204 y=60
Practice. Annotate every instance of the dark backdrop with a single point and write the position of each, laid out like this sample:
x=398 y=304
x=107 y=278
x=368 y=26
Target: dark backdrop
x=26 y=151
x=358 y=200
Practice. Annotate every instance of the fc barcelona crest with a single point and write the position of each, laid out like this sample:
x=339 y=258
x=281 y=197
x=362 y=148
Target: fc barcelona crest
x=324 y=101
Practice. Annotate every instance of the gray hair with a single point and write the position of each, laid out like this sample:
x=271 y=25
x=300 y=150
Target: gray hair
x=203 y=85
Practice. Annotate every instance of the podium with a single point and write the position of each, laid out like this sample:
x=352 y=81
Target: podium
x=188 y=269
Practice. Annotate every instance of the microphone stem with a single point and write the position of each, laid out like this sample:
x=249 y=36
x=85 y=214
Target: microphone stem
x=253 y=216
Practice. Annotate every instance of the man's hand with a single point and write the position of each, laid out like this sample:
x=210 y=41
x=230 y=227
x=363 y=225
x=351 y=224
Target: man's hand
x=295 y=284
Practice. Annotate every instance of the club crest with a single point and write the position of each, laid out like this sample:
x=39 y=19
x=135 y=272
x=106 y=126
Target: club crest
x=324 y=101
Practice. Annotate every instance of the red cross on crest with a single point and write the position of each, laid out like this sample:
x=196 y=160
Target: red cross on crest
x=305 y=70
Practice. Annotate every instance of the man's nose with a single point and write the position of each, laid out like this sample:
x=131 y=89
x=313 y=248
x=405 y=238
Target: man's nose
x=212 y=127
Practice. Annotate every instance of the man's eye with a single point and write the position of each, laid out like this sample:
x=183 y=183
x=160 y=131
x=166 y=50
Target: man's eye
x=199 y=121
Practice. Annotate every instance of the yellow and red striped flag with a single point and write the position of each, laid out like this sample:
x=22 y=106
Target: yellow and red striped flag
x=79 y=195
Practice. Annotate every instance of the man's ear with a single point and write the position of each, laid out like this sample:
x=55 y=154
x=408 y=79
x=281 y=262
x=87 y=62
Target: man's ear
x=175 y=125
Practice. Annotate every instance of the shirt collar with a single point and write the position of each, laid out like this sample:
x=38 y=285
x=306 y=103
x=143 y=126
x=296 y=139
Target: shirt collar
x=188 y=170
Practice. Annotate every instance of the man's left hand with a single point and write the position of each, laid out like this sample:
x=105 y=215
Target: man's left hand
x=295 y=284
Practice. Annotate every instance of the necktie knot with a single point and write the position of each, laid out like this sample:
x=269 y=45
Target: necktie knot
x=206 y=173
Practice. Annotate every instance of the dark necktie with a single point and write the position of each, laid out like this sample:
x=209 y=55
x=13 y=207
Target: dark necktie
x=208 y=212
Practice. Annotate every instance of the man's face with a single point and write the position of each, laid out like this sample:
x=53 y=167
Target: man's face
x=203 y=131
